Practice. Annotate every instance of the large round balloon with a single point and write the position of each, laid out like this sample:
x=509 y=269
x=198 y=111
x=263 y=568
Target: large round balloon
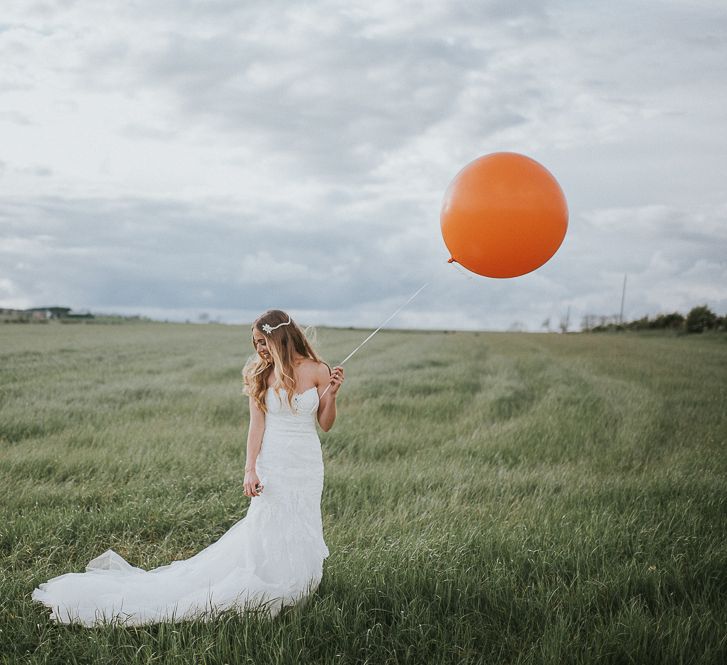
x=503 y=215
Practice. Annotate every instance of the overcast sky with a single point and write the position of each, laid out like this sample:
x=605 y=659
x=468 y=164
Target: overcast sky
x=173 y=158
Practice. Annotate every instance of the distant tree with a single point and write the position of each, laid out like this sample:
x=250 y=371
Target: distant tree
x=588 y=322
x=546 y=324
x=673 y=321
x=639 y=324
x=701 y=318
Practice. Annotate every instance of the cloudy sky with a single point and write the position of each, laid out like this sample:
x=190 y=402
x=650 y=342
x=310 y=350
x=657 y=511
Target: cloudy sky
x=177 y=158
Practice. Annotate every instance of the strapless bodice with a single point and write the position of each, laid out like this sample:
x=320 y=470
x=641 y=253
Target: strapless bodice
x=290 y=454
x=281 y=419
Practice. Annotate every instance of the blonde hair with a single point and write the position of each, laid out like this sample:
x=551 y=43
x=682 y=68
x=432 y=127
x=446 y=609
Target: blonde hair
x=284 y=342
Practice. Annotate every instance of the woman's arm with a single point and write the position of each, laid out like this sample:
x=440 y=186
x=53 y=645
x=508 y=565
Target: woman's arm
x=327 y=406
x=254 y=443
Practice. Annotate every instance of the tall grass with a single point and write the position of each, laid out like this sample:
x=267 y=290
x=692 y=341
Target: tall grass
x=489 y=498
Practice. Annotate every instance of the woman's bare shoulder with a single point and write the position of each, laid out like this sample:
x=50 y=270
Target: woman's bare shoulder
x=312 y=365
x=318 y=371
x=309 y=369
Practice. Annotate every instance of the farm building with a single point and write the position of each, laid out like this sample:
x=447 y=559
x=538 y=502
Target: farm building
x=40 y=314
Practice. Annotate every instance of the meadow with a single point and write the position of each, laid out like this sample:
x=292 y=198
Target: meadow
x=489 y=497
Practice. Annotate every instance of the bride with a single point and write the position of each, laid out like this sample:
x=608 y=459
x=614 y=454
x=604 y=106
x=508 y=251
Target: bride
x=271 y=558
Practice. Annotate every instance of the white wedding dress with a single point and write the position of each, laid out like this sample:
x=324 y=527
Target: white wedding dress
x=271 y=558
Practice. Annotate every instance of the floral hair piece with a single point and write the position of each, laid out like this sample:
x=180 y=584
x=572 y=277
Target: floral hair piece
x=267 y=328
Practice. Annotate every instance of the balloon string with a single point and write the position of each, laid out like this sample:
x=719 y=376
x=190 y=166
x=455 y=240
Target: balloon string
x=462 y=271
x=348 y=357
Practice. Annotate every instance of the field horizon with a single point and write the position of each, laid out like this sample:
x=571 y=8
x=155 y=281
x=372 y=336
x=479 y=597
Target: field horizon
x=490 y=497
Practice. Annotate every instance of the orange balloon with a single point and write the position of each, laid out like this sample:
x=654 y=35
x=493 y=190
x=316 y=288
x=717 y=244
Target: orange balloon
x=503 y=215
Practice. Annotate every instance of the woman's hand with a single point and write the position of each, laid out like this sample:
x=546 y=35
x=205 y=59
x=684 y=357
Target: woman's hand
x=252 y=484
x=336 y=379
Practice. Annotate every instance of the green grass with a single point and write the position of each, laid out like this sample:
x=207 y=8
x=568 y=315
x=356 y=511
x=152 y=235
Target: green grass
x=489 y=498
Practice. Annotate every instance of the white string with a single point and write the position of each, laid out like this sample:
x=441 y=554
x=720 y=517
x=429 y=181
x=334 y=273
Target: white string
x=348 y=357
x=462 y=271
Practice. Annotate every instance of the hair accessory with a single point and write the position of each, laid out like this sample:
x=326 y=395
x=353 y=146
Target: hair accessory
x=267 y=328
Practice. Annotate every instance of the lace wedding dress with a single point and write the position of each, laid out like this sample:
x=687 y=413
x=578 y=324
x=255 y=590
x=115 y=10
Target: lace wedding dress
x=271 y=558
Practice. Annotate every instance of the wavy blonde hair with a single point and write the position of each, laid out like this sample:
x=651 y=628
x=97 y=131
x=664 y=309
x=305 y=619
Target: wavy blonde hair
x=284 y=344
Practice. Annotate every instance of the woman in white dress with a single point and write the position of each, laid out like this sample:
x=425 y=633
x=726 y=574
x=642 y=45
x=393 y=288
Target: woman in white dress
x=271 y=558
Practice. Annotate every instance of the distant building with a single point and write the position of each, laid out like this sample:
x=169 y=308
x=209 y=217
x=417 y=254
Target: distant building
x=40 y=314
x=7 y=314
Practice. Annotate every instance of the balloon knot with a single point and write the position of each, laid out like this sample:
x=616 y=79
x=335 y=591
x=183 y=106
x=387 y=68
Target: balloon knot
x=451 y=260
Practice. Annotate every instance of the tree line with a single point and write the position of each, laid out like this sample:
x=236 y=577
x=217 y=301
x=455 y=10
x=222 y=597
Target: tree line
x=699 y=319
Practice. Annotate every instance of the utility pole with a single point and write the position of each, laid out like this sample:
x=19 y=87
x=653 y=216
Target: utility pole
x=564 y=322
x=623 y=298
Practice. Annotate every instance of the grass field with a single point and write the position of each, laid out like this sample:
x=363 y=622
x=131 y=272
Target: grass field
x=489 y=498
